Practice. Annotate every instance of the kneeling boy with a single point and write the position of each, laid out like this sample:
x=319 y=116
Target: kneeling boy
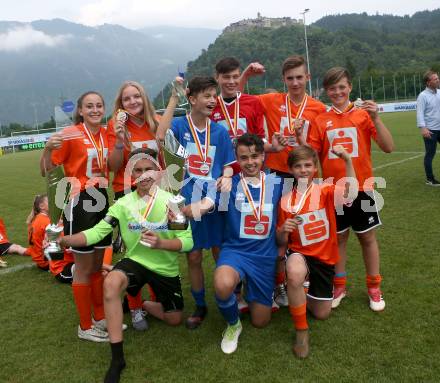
x=151 y=256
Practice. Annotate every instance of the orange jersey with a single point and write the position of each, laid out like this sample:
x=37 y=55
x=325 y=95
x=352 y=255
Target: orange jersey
x=140 y=137
x=353 y=130
x=316 y=233
x=57 y=267
x=275 y=112
x=36 y=233
x=81 y=159
x=3 y=235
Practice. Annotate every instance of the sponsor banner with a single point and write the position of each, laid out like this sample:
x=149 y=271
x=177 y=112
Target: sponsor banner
x=397 y=107
x=25 y=140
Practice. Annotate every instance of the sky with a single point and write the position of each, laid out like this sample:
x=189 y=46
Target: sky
x=136 y=14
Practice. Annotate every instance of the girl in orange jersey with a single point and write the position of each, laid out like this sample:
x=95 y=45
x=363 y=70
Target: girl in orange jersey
x=134 y=114
x=138 y=120
x=37 y=221
x=82 y=150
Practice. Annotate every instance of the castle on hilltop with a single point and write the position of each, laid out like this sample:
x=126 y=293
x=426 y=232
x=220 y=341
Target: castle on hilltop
x=262 y=22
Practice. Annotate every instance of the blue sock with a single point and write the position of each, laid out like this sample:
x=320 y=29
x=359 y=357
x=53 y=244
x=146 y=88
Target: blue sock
x=228 y=308
x=199 y=297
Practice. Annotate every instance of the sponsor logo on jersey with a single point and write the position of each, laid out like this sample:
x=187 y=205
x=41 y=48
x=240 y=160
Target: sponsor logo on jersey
x=141 y=226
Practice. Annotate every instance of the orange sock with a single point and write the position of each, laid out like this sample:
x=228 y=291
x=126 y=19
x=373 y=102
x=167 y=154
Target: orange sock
x=135 y=302
x=108 y=256
x=299 y=316
x=280 y=277
x=340 y=281
x=96 y=281
x=152 y=293
x=373 y=281
x=83 y=302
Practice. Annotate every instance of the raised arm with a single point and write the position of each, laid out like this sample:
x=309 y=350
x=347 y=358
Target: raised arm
x=165 y=121
x=252 y=70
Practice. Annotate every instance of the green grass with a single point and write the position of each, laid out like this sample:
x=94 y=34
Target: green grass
x=38 y=318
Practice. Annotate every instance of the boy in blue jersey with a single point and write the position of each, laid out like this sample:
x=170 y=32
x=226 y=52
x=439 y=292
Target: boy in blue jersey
x=210 y=156
x=249 y=251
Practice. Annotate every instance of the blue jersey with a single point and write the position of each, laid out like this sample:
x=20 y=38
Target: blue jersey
x=201 y=176
x=244 y=234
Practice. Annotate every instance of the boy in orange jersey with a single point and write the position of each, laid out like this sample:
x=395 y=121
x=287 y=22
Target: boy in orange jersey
x=307 y=225
x=283 y=112
x=353 y=126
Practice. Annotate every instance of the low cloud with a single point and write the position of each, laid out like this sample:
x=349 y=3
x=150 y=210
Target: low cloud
x=21 y=38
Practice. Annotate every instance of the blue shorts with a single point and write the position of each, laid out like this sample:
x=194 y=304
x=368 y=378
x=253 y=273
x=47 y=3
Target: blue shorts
x=257 y=272
x=208 y=232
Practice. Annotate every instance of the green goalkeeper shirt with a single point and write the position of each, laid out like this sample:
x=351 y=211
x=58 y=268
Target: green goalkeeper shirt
x=129 y=211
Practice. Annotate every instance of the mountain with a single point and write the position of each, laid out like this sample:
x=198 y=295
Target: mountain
x=378 y=45
x=45 y=61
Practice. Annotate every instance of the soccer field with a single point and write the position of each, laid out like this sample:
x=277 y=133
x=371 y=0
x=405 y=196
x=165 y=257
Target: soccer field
x=38 y=321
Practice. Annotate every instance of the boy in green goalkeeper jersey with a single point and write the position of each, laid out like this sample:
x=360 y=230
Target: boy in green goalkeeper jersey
x=151 y=256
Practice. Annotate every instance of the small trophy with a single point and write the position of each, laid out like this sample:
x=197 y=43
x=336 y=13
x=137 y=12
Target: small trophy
x=174 y=157
x=53 y=251
x=180 y=90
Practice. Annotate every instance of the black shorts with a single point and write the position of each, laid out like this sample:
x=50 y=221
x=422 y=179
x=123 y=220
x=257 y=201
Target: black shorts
x=167 y=289
x=83 y=212
x=361 y=215
x=4 y=247
x=320 y=278
x=66 y=275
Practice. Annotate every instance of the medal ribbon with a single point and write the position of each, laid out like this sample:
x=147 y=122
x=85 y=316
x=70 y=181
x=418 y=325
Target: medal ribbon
x=257 y=211
x=203 y=152
x=294 y=209
x=299 y=113
x=349 y=108
x=98 y=148
x=150 y=204
x=232 y=124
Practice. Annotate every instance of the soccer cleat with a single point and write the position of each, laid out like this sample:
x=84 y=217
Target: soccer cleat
x=102 y=325
x=243 y=306
x=230 y=338
x=432 y=182
x=138 y=320
x=301 y=345
x=197 y=317
x=338 y=294
x=280 y=295
x=93 y=334
x=376 y=300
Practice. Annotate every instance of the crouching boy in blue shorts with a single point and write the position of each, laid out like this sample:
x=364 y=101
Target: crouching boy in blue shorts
x=249 y=250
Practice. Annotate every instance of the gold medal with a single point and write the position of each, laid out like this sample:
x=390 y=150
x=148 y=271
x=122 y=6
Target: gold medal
x=257 y=211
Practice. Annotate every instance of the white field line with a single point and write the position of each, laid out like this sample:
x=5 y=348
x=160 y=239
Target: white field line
x=399 y=162
x=13 y=269
x=381 y=152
